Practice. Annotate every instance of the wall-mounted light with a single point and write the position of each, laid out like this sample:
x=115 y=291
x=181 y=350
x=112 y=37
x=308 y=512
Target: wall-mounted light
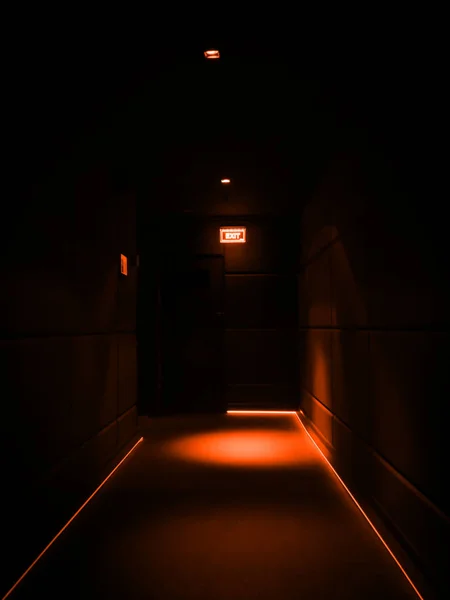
x=212 y=54
x=123 y=264
x=225 y=181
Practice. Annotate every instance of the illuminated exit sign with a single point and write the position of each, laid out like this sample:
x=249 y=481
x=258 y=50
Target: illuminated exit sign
x=233 y=235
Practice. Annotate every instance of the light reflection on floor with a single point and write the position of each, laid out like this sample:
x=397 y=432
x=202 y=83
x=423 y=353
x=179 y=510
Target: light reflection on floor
x=231 y=529
x=248 y=447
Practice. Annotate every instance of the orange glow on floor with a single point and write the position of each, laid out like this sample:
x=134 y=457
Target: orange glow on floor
x=53 y=540
x=361 y=510
x=262 y=447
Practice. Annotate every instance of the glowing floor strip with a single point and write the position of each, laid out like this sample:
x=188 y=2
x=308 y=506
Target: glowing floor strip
x=362 y=511
x=70 y=521
x=261 y=412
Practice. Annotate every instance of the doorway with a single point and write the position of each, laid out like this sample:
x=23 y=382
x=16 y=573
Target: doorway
x=192 y=336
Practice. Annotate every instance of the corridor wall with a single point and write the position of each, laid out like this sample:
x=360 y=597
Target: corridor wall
x=373 y=313
x=68 y=344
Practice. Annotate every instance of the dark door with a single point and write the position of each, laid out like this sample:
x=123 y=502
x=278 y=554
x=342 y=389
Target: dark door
x=192 y=336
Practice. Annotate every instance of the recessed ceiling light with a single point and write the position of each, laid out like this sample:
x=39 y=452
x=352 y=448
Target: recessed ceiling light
x=212 y=54
x=225 y=181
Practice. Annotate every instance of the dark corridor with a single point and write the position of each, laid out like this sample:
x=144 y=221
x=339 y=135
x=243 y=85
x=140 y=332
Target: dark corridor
x=224 y=321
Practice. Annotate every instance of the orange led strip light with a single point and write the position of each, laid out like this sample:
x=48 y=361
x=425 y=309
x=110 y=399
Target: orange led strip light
x=36 y=560
x=261 y=412
x=361 y=510
x=292 y=412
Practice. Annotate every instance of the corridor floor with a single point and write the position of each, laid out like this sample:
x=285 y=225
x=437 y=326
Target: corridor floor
x=233 y=507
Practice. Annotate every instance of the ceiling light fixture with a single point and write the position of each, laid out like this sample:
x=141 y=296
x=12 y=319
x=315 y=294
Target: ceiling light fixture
x=225 y=181
x=212 y=54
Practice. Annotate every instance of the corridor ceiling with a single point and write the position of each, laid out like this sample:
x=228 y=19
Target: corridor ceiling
x=268 y=115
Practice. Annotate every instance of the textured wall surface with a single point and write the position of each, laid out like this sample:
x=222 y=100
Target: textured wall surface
x=68 y=346
x=373 y=339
